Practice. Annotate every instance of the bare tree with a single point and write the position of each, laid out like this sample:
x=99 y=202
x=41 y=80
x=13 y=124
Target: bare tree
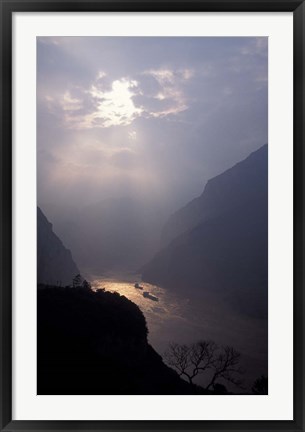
x=178 y=357
x=226 y=366
x=77 y=281
x=86 y=285
x=205 y=356
x=260 y=386
x=202 y=355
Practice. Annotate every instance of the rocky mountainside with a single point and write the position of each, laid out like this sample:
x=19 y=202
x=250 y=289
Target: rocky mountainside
x=218 y=244
x=96 y=343
x=55 y=264
x=244 y=183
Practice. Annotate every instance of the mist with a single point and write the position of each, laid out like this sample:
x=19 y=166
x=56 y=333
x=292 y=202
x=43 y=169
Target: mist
x=130 y=129
x=152 y=180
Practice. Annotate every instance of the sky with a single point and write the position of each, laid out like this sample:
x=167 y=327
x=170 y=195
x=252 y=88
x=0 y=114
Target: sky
x=147 y=117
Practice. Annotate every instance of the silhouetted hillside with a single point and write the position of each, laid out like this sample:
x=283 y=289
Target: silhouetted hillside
x=221 y=248
x=96 y=343
x=55 y=264
x=244 y=183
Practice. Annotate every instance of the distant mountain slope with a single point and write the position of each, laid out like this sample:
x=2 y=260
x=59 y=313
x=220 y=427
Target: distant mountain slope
x=55 y=264
x=96 y=343
x=235 y=187
x=223 y=248
x=113 y=234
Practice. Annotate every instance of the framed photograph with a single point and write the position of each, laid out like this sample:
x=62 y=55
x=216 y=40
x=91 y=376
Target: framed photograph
x=152 y=215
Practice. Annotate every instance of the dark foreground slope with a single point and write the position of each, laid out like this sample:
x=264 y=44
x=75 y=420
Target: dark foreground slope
x=96 y=343
x=55 y=264
x=222 y=249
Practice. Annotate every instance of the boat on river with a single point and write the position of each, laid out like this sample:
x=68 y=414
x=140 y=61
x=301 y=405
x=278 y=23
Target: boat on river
x=147 y=294
x=138 y=286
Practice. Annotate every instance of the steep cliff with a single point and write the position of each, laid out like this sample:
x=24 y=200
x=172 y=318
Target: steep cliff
x=55 y=264
x=218 y=244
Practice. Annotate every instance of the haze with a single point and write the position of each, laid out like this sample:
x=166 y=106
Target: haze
x=145 y=121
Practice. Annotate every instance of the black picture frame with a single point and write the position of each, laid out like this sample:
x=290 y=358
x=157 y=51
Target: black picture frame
x=7 y=8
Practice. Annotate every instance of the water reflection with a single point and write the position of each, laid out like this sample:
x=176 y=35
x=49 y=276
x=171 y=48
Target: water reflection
x=159 y=315
x=187 y=320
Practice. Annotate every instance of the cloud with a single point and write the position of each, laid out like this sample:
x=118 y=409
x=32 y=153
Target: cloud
x=170 y=91
x=256 y=46
x=49 y=40
x=70 y=103
x=187 y=74
x=132 y=135
x=186 y=107
x=166 y=76
x=101 y=75
x=114 y=107
x=163 y=76
x=119 y=102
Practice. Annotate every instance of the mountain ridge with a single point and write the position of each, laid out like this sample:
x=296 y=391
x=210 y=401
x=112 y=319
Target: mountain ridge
x=226 y=253
x=55 y=264
x=198 y=208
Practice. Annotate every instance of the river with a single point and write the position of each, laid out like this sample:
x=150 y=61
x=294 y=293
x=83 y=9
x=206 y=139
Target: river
x=174 y=318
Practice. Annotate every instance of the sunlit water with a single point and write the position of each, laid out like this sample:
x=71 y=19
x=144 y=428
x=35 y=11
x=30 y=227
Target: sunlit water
x=183 y=320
